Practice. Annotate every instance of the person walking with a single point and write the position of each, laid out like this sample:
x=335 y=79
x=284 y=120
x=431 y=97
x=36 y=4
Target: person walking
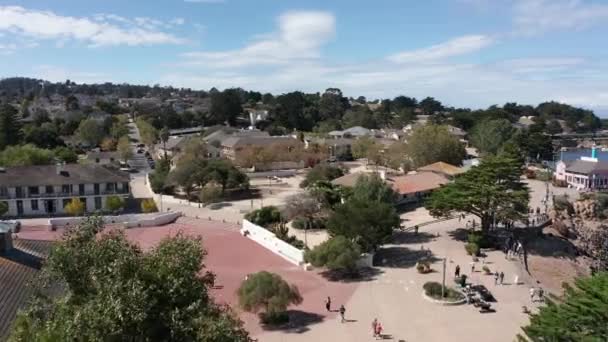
x=457 y=271
x=502 y=277
x=532 y=293
x=342 y=312
x=379 y=331
x=541 y=294
x=496 y=276
x=328 y=304
x=416 y=229
x=374 y=326
x=472 y=268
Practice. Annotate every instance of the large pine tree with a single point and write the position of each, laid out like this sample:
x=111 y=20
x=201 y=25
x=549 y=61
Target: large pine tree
x=580 y=315
x=10 y=126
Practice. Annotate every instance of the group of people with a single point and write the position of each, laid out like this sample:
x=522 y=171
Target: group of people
x=499 y=278
x=513 y=248
x=538 y=294
x=376 y=325
x=342 y=309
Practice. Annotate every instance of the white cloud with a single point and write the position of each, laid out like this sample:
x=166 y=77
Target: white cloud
x=101 y=30
x=454 y=47
x=533 y=17
x=300 y=36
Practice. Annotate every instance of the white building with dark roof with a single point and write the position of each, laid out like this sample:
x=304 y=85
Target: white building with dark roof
x=45 y=190
x=586 y=173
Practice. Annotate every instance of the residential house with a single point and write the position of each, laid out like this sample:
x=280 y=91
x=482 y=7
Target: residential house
x=415 y=187
x=457 y=132
x=103 y=158
x=186 y=131
x=337 y=149
x=232 y=145
x=587 y=173
x=44 y=190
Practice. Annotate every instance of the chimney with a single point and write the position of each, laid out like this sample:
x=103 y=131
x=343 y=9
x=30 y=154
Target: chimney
x=593 y=152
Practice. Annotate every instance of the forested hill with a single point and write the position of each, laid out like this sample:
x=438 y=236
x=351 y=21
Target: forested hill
x=322 y=112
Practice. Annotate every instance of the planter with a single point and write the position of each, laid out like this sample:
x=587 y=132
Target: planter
x=444 y=302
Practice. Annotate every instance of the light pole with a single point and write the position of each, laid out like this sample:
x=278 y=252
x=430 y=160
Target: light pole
x=443 y=280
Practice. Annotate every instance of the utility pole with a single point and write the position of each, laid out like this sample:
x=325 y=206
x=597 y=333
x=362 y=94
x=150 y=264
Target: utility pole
x=443 y=280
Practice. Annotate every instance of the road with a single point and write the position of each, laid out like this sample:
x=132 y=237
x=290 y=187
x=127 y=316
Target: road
x=138 y=161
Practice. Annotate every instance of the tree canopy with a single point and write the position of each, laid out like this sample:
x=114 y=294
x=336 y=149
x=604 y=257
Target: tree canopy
x=490 y=135
x=268 y=292
x=10 y=126
x=321 y=172
x=115 y=291
x=580 y=314
x=492 y=190
x=337 y=253
x=432 y=143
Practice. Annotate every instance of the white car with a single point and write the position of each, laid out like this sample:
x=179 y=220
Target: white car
x=13 y=225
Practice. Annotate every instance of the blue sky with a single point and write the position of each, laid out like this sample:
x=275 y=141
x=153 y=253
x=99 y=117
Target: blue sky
x=472 y=53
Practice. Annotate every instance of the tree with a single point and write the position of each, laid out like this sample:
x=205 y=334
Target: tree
x=210 y=193
x=45 y=136
x=124 y=149
x=321 y=172
x=490 y=135
x=148 y=206
x=75 y=207
x=359 y=116
x=225 y=107
x=149 y=134
x=267 y=292
x=367 y=223
x=72 y=103
x=579 y=315
x=403 y=118
x=365 y=147
x=66 y=155
x=302 y=205
x=25 y=155
x=3 y=208
x=430 y=106
x=327 y=194
x=337 y=253
x=433 y=143
x=115 y=203
x=554 y=127
x=113 y=290
x=10 y=126
x=332 y=105
x=223 y=173
x=164 y=137
x=265 y=216
x=492 y=191
x=91 y=132
x=372 y=188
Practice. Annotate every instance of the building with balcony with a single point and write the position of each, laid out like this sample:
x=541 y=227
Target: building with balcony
x=45 y=190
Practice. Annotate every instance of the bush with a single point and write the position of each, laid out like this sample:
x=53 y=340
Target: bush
x=269 y=293
x=148 y=206
x=75 y=207
x=480 y=239
x=337 y=253
x=486 y=269
x=115 y=203
x=472 y=249
x=433 y=290
x=265 y=216
x=300 y=223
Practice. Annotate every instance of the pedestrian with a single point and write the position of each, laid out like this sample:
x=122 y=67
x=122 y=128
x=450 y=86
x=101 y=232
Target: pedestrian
x=378 y=330
x=472 y=268
x=541 y=294
x=496 y=276
x=532 y=293
x=342 y=312
x=374 y=326
x=416 y=229
x=457 y=271
x=328 y=304
x=502 y=277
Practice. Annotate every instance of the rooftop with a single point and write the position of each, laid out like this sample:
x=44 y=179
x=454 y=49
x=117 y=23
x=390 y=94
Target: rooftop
x=418 y=182
x=443 y=168
x=40 y=175
x=587 y=167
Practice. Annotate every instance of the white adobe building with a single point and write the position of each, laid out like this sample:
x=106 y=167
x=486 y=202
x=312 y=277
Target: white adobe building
x=586 y=173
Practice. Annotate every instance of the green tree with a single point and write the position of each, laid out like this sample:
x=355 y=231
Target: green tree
x=124 y=148
x=157 y=295
x=359 y=116
x=91 y=132
x=403 y=118
x=148 y=206
x=223 y=173
x=491 y=191
x=365 y=147
x=337 y=253
x=10 y=126
x=72 y=103
x=579 y=315
x=164 y=137
x=115 y=203
x=490 y=135
x=430 y=106
x=225 y=107
x=25 y=155
x=65 y=154
x=554 y=127
x=332 y=105
x=3 y=208
x=45 y=136
x=321 y=172
x=149 y=134
x=267 y=292
x=210 y=193
x=433 y=143
x=367 y=223
x=373 y=188
x=75 y=207
x=302 y=205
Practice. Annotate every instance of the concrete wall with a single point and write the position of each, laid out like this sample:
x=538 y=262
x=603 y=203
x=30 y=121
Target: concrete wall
x=269 y=241
x=129 y=221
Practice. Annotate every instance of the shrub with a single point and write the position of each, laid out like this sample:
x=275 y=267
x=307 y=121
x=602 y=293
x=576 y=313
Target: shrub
x=264 y=216
x=148 y=206
x=300 y=223
x=486 y=269
x=75 y=207
x=480 y=239
x=433 y=290
x=472 y=249
x=210 y=194
x=337 y=253
x=115 y=203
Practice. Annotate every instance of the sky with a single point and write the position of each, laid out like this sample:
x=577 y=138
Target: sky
x=465 y=53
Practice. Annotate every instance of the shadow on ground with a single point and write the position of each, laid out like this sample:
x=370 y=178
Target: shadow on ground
x=299 y=322
x=364 y=274
x=549 y=245
x=401 y=257
x=404 y=238
x=460 y=234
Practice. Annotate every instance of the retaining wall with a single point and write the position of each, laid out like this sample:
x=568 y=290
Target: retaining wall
x=129 y=221
x=269 y=241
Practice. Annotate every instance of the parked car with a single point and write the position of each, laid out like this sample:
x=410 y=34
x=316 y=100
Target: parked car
x=14 y=225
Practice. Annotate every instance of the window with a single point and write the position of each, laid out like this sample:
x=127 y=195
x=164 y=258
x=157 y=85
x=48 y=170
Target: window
x=84 y=201
x=34 y=204
x=81 y=189
x=125 y=188
x=97 y=203
x=65 y=202
x=96 y=188
x=19 y=192
x=3 y=191
x=65 y=189
x=33 y=190
x=110 y=187
x=49 y=189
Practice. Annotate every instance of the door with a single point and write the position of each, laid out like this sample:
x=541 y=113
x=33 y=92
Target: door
x=19 y=208
x=50 y=206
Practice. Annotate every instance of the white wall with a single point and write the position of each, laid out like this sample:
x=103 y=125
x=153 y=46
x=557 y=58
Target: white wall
x=269 y=241
x=129 y=221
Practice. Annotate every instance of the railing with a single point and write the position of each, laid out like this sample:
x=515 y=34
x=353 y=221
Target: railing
x=67 y=194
